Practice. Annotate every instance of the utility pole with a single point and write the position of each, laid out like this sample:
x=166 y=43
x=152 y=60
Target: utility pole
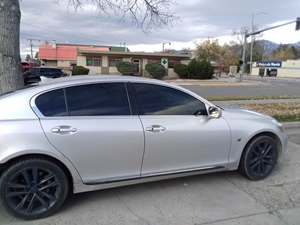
x=31 y=47
x=31 y=40
x=163 y=45
x=253 y=37
x=244 y=66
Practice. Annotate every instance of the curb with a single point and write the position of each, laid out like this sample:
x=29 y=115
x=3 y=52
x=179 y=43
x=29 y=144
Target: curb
x=291 y=125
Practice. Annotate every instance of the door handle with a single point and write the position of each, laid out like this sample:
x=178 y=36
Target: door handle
x=156 y=129
x=63 y=130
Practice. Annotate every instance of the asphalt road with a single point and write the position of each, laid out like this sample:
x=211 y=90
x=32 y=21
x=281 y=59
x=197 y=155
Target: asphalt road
x=219 y=199
x=266 y=87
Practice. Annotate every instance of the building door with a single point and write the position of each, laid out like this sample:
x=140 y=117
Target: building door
x=137 y=64
x=261 y=72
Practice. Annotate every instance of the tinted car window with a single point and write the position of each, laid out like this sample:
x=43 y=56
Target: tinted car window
x=52 y=103
x=160 y=100
x=108 y=99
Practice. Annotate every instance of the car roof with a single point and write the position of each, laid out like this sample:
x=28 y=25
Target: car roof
x=81 y=79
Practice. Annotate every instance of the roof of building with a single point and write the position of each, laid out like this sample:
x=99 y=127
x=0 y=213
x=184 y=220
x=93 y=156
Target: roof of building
x=155 y=54
x=69 y=52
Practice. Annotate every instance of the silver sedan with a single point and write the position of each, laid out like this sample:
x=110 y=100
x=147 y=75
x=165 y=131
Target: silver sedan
x=89 y=133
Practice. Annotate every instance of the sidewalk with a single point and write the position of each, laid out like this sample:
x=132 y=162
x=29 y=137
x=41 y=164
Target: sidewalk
x=261 y=101
x=228 y=82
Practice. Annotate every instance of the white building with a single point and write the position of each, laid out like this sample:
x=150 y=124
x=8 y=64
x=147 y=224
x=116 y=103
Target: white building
x=289 y=68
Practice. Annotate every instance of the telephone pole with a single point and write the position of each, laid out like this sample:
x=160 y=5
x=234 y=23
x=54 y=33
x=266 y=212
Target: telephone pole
x=31 y=40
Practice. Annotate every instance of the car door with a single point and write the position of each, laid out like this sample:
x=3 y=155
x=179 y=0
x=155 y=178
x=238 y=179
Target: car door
x=93 y=127
x=179 y=135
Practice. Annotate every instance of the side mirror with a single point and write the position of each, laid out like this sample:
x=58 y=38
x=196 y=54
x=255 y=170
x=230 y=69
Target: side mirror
x=214 y=112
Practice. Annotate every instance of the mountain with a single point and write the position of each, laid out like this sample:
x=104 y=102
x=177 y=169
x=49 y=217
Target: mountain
x=270 y=46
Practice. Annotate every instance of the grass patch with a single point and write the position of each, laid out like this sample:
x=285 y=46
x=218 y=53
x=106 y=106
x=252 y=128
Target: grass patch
x=237 y=98
x=283 y=112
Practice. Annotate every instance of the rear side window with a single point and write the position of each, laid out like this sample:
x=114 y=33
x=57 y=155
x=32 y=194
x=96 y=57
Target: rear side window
x=161 y=100
x=108 y=99
x=52 y=103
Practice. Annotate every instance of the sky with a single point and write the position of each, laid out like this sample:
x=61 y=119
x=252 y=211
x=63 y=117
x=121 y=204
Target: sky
x=197 y=20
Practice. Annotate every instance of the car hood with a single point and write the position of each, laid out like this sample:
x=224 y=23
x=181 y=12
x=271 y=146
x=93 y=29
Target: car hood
x=244 y=113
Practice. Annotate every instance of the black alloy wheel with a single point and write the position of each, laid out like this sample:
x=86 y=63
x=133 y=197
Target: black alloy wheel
x=33 y=188
x=259 y=158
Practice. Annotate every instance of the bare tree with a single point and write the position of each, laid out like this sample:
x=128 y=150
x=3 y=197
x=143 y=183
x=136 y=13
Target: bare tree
x=146 y=14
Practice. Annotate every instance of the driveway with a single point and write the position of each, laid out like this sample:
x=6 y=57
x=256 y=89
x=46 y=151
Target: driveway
x=220 y=199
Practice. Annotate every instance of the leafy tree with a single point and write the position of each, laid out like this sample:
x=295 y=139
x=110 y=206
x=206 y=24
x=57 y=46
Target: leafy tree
x=200 y=69
x=126 y=68
x=27 y=58
x=157 y=71
x=146 y=14
x=285 y=52
x=181 y=70
x=80 y=70
x=209 y=51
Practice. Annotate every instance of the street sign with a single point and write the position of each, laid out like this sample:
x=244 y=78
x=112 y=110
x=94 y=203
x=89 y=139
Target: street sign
x=298 y=24
x=165 y=62
x=270 y=64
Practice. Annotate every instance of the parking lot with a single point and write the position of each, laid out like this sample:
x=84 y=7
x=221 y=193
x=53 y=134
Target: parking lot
x=221 y=199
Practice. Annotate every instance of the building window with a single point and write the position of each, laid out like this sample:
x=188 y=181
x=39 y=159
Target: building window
x=93 y=61
x=114 y=61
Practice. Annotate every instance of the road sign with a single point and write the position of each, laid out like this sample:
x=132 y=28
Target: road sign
x=270 y=64
x=165 y=62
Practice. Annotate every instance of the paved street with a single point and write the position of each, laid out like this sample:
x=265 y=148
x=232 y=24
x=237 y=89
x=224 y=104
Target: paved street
x=264 y=87
x=220 y=199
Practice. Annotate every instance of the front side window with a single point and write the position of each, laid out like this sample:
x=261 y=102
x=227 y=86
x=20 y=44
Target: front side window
x=161 y=100
x=52 y=103
x=109 y=99
x=93 y=61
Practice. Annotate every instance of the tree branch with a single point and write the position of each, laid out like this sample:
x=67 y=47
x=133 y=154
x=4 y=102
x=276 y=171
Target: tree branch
x=146 y=14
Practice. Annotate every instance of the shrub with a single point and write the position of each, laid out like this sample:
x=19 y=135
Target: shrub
x=80 y=70
x=181 y=70
x=200 y=69
x=157 y=71
x=126 y=68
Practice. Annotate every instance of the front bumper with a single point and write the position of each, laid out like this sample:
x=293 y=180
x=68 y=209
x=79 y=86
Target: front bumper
x=284 y=147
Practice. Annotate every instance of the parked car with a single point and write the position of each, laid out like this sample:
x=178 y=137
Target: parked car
x=87 y=133
x=40 y=74
x=27 y=66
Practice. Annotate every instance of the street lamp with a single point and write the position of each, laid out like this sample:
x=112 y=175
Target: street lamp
x=165 y=43
x=253 y=37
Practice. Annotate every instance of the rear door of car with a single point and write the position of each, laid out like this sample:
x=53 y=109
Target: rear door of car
x=93 y=126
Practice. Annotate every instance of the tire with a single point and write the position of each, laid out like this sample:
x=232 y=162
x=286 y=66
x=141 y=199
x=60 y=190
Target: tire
x=259 y=158
x=33 y=188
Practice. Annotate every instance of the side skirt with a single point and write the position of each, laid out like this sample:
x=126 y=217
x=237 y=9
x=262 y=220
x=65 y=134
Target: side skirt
x=106 y=184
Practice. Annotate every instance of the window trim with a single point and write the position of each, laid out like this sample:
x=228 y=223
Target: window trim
x=40 y=115
x=137 y=104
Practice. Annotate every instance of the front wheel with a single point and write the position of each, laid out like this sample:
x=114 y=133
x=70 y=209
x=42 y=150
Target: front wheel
x=33 y=188
x=259 y=158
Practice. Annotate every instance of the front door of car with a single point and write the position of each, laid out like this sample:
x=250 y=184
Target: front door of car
x=93 y=127
x=178 y=133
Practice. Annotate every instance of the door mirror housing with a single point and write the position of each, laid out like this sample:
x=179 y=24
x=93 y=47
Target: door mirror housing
x=214 y=112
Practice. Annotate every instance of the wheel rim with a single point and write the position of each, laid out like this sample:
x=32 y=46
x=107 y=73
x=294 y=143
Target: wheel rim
x=262 y=158
x=32 y=191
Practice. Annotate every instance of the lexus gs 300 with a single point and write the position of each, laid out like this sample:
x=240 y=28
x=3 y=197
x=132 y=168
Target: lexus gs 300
x=86 y=133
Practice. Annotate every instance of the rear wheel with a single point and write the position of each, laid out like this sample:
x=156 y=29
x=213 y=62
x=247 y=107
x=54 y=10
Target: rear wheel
x=259 y=158
x=33 y=188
